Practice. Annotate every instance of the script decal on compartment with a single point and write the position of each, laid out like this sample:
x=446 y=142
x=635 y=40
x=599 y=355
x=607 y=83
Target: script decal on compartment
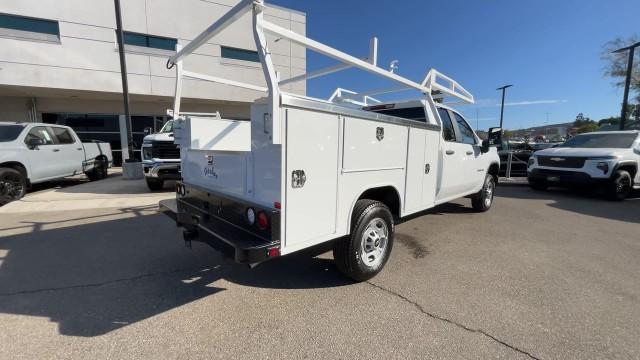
x=210 y=172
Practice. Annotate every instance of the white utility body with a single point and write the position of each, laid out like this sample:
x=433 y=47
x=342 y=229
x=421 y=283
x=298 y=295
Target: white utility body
x=304 y=171
x=33 y=153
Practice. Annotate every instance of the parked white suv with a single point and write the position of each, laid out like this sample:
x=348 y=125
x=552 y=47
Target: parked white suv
x=604 y=159
x=33 y=153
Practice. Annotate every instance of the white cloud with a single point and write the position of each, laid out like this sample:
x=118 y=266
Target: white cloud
x=493 y=102
x=534 y=102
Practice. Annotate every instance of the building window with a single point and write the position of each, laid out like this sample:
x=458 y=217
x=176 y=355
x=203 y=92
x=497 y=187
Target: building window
x=240 y=54
x=29 y=28
x=149 y=41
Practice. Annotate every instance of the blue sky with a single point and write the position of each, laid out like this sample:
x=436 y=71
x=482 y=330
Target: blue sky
x=549 y=49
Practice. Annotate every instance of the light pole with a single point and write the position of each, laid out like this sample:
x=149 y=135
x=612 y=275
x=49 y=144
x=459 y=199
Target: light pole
x=631 y=49
x=125 y=84
x=504 y=89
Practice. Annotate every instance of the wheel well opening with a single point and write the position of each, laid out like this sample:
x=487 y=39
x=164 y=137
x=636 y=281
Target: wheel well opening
x=494 y=169
x=16 y=166
x=386 y=195
x=631 y=169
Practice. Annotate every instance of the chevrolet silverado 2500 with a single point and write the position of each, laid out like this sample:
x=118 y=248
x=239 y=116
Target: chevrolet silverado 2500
x=160 y=157
x=33 y=153
x=305 y=171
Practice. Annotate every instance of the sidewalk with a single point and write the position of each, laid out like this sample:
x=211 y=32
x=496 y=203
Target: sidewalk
x=112 y=192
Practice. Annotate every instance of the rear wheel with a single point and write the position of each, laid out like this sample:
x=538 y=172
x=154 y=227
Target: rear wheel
x=621 y=185
x=364 y=253
x=13 y=185
x=155 y=184
x=537 y=184
x=100 y=170
x=483 y=200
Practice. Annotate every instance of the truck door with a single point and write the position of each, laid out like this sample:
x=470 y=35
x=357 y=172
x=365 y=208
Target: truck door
x=71 y=151
x=472 y=162
x=311 y=177
x=44 y=159
x=453 y=180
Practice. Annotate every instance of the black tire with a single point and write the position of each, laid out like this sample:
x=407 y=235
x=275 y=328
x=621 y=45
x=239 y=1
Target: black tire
x=483 y=200
x=621 y=185
x=13 y=185
x=537 y=184
x=100 y=171
x=155 y=184
x=350 y=252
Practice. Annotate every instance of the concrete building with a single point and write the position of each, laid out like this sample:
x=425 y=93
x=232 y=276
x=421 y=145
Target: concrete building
x=59 y=62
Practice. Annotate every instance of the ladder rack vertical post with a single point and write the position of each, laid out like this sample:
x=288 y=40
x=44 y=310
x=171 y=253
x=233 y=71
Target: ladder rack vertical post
x=178 y=93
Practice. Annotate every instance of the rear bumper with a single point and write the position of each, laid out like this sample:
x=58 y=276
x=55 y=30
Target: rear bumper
x=200 y=225
x=564 y=177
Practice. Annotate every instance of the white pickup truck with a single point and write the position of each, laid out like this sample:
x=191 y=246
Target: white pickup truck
x=33 y=153
x=607 y=160
x=305 y=171
x=160 y=158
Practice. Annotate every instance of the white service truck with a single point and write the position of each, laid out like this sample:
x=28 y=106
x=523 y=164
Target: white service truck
x=33 y=153
x=605 y=159
x=305 y=171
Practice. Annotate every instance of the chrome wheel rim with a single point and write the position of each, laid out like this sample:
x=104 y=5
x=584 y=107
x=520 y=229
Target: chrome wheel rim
x=11 y=187
x=623 y=185
x=488 y=193
x=374 y=242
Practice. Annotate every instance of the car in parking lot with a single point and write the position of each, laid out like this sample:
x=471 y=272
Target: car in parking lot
x=607 y=160
x=34 y=153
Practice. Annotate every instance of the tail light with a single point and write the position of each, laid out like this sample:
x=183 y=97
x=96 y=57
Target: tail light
x=273 y=252
x=263 y=220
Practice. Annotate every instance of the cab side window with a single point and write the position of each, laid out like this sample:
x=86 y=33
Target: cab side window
x=63 y=135
x=40 y=132
x=448 y=133
x=466 y=134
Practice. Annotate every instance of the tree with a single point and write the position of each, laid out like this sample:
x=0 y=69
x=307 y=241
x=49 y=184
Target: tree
x=617 y=63
x=581 y=120
x=587 y=128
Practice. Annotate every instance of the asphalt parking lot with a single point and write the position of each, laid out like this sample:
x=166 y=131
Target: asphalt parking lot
x=543 y=275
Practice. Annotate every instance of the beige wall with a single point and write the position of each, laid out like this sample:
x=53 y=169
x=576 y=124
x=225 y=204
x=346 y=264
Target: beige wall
x=86 y=58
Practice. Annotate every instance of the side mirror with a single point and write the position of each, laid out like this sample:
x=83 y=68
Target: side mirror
x=148 y=131
x=495 y=136
x=485 y=146
x=35 y=142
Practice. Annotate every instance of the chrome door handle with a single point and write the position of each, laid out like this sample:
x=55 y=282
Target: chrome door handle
x=469 y=152
x=55 y=150
x=79 y=149
x=450 y=152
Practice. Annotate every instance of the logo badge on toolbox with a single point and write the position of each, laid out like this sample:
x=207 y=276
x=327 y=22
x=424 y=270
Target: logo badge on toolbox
x=380 y=133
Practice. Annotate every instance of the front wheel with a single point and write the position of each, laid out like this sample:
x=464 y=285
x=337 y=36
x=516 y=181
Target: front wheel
x=13 y=185
x=620 y=186
x=483 y=200
x=538 y=184
x=364 y=253
x=155 y=184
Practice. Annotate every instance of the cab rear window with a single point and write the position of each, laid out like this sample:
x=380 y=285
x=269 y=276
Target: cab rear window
x=412 y=113
x=10 y=132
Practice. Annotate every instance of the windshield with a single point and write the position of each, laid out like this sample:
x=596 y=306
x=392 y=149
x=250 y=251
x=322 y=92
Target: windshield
x=612 y=141
x=10 y=132
x=167 y=128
